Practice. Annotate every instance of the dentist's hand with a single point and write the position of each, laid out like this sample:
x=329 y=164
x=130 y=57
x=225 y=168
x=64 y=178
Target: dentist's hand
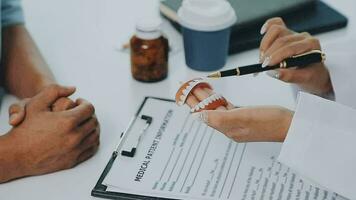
x=250 y=124
x=280 y=43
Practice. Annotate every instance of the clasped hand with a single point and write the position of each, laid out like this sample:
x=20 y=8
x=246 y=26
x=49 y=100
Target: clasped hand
x=52 y=132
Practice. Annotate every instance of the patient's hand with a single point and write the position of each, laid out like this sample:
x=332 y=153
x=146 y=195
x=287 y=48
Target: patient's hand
x=47 y=141
x=17 y=111
x=279 y=43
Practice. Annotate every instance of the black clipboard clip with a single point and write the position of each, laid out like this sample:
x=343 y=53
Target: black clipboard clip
x=142 y=134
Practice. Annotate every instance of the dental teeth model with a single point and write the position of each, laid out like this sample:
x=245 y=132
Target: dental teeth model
x=211 y=103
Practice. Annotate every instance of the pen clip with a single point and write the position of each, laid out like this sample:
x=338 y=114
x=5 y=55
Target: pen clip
x=132 y=152
x=323 y=56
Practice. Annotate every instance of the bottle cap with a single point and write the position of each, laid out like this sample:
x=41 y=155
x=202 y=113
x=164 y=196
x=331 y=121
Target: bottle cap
x=206 y=15
x=149 y=29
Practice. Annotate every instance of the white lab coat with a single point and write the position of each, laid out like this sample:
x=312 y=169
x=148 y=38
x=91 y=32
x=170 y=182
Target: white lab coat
x=321 y=142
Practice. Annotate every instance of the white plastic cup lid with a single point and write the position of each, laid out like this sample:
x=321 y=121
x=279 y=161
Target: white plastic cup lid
x=206 y=15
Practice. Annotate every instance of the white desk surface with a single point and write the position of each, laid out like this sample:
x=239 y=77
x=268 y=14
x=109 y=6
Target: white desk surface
x=79 y=39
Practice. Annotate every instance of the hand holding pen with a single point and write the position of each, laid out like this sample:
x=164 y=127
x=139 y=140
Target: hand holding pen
x=280 y=44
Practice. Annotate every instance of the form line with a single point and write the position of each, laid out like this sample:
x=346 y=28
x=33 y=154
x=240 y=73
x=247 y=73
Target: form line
x=238 y=166
x=174 y=166
x=228 y=172
x=186 y=157
x=168 y=161
x=201 y=160
x=196 y=152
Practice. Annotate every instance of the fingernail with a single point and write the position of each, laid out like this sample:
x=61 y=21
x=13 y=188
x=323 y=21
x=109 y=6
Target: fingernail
x=266 y=61
x=273 y=74
x=261 y=55
x=200 y=116
x=13 y=117
x=263 y=29
x=71 y=87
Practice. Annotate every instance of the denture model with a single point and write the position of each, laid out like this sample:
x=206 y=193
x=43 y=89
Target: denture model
x=210 y=103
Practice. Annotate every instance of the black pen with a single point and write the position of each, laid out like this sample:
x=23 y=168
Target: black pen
x=301 y=60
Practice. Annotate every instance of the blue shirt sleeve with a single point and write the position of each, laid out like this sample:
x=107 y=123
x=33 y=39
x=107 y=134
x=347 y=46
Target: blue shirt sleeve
x=11 y=12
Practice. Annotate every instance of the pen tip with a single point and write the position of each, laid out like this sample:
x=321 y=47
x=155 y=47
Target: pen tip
x=214 y=75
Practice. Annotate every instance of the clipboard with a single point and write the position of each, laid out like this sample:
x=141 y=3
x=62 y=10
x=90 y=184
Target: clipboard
x=232 y=167
x=100 y=190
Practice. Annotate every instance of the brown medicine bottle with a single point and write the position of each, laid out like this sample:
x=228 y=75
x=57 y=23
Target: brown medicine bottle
x=149 y=52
